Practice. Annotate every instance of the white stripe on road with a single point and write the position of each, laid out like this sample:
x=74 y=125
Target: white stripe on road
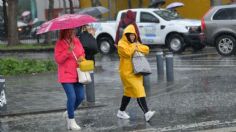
x=191 y=68
x=228 y=129
x=204 y=65
x=196 y=125
x=178 y=60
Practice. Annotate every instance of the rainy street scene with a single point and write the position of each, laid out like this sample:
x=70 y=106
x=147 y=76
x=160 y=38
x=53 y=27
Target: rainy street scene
x=117 y=66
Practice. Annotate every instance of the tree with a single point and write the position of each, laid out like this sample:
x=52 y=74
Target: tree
x=49 y=16
x=71 y=7
x=13 y=38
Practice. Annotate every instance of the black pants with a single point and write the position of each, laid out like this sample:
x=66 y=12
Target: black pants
x=141 y=101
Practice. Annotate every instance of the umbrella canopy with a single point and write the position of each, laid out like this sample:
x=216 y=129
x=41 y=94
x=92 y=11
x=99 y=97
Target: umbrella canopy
x=94 y=11
x=66 y=21
x=174 y=5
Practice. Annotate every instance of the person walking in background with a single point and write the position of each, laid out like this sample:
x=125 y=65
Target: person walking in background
x=86 y=35
x=128 y=18
x=67 y=48
x=132 y=83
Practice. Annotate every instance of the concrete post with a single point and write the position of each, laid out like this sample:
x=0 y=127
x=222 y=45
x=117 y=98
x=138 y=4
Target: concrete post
x=160 y=65
x=3 y=101
x=90 y=90
x=147 y=83
x=169 y=67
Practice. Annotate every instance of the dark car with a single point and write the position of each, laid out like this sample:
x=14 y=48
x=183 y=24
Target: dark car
x=219 y=29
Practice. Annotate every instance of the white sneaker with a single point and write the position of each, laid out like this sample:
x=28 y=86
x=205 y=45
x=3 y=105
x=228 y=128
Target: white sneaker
x=122 y=115
x=149 y=115
x=72 y=125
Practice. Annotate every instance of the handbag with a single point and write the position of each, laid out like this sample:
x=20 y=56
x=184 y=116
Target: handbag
x=84 y=77
x=140 y=64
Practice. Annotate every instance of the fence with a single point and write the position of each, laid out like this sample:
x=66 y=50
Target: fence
x=32 y=38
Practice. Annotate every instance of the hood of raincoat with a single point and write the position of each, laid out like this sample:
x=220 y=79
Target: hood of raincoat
x=128 y=29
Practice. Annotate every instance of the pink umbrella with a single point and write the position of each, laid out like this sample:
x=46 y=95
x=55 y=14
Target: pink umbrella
x=65 y=22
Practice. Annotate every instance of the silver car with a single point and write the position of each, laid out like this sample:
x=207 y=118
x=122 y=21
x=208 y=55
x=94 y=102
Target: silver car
x=219 y=29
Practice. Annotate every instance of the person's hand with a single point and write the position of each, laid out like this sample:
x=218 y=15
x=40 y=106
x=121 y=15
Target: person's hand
x=136 y=47
x=81 y=58
x=71 y=47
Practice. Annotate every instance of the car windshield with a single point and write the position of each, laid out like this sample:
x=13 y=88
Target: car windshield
x=168 y=15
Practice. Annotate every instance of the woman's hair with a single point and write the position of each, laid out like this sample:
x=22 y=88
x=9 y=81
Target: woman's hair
x=128 y=37
x=66 y=34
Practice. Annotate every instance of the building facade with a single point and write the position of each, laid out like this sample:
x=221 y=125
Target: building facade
x=192 y=8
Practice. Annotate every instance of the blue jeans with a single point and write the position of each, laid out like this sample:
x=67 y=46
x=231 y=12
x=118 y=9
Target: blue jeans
x=75 y=95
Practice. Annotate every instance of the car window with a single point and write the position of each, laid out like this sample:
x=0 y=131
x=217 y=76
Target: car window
x=147 y=17
x=225 y=14
x=168 y=15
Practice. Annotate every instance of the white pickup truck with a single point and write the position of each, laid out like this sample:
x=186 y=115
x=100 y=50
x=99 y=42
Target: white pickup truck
x=157 y=27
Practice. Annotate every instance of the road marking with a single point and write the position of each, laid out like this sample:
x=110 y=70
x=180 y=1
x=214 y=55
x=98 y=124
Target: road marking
x=204 y=66
x=227 y=129
x=191 y=68
x=205 y=60
x=197 y=125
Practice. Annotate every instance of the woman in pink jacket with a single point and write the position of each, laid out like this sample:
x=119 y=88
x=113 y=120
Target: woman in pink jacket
x=68 y=49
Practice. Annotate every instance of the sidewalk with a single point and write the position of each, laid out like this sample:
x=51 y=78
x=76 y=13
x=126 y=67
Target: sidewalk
x=41 y=93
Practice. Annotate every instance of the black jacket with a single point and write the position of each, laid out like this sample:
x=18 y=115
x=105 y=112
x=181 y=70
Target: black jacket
x=90 y=45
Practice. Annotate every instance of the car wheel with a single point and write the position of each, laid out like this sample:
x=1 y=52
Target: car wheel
x=106 y=45
x=175 y=43
x=225 y=45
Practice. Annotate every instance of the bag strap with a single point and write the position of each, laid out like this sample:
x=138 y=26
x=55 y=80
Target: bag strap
x=72 y=50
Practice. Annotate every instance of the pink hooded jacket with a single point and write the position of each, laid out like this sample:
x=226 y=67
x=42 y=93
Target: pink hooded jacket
x=66 y=62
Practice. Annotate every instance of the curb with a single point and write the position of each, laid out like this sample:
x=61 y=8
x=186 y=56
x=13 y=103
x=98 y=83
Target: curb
x=24 y=113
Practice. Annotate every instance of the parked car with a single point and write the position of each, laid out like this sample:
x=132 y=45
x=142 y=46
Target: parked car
x=219 y=29
x=157 y=27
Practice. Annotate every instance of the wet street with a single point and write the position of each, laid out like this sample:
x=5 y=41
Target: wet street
x=201 y=98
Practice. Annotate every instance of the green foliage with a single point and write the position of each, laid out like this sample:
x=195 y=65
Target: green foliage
x=13 y=66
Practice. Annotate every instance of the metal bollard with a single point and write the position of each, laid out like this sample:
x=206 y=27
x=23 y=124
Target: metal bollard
x=147 y=83
x=160 y=65
x=169 y=67
x=90 y=91
x=3 y=101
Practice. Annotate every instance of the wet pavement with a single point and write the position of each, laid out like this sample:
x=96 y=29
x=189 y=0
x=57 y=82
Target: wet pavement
x=202 y=98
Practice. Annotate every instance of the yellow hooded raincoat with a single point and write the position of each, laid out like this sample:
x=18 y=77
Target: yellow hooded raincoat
x=133 y=84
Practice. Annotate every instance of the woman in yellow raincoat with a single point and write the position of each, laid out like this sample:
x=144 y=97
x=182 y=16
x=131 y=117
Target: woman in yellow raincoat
x=133 y=84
